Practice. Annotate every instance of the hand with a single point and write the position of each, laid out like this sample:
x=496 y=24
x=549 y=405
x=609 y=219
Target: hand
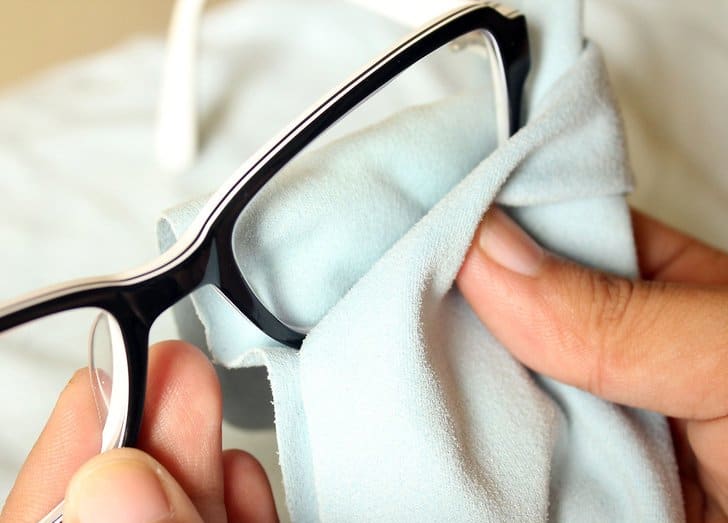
x=180 y=473
x=660 y=344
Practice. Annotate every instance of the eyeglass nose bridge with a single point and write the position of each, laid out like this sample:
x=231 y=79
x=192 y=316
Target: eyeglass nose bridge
x=207 y=262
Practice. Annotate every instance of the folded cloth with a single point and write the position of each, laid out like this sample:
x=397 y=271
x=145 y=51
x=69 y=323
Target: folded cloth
x=400 y=404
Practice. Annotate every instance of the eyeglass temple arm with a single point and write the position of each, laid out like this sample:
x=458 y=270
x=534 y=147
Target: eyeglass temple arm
x=177 y=129
x=176 y=134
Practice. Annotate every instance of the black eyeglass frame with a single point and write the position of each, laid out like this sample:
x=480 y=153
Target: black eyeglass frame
x=204 y=254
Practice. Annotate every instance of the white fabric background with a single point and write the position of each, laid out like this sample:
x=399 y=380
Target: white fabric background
x=80 y=193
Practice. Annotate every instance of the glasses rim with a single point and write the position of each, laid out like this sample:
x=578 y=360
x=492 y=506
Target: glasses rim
x=136 y=298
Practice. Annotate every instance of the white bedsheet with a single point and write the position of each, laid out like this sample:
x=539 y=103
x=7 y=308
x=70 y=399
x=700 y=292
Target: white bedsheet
x=80 y=192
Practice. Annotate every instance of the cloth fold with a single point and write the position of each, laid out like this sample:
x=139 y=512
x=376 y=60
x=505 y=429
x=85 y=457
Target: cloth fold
x=400 y=403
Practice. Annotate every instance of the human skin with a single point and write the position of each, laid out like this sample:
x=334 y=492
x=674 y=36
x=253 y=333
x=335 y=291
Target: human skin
x=659 y=343
x=179 y=473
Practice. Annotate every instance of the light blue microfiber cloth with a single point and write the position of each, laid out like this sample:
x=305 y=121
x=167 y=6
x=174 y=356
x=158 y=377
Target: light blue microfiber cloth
x=400 y=404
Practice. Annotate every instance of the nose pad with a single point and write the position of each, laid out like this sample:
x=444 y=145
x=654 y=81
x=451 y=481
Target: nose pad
x=100 y=359
x=109 y=373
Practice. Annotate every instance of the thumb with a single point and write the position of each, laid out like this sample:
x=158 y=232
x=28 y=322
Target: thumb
x=126 y=485
x=656 y=345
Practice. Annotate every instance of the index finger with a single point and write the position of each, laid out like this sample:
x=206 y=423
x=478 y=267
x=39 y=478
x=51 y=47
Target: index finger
x=667 y=254
x=57 y=453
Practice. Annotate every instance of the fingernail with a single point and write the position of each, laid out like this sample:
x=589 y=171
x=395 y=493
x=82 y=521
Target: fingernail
x=504 y=242
x=118 y=491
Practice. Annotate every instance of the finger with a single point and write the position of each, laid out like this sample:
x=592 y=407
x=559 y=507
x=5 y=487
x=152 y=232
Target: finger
x=707 y=442
x=652 y=345
x=692 y=491
x=182 y=425
x=669 y=255
x=71 y=436
x=248 y=496
x=129 y=486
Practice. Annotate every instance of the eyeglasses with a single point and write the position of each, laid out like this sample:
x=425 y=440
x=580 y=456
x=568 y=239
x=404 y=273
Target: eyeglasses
x=205 y=254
